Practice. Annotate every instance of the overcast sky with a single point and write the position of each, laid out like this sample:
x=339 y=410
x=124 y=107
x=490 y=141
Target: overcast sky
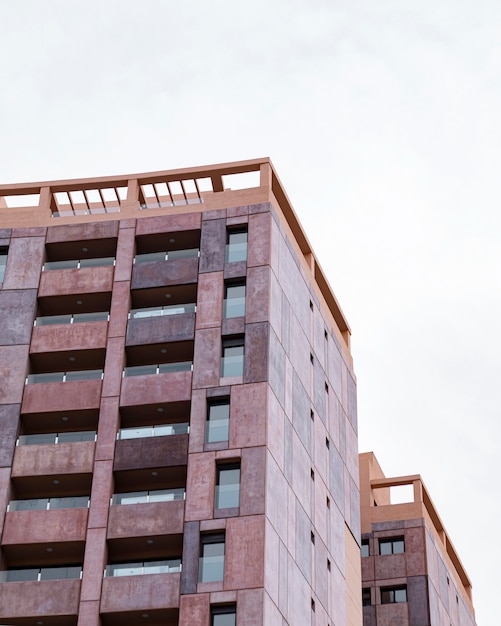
x=382 y=119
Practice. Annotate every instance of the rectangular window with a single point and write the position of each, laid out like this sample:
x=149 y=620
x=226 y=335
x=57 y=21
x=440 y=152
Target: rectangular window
x=391 y=545
x=366 y=597
x=393 y=595
x=228 y=486
x=211 y=562
x=364 y=548
x=236 y=245
x=3 y=262
x=234 y=300
x=232 y=360
x=223 y=615
x=217 y=426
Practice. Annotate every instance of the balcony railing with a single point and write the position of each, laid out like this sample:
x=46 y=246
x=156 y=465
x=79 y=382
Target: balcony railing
x=158 y=311
x=159 y=430
x=72 y=318
x=162 y=368
x=48 y=504
x=51 y=438
x=145 y=567
x=78 y=263
x=41 y=573
x=64 y=377
x=189 y=253
x=145 y=497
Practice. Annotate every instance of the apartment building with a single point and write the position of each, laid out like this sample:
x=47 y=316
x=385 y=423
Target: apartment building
x=411 y=572
x=178 y=435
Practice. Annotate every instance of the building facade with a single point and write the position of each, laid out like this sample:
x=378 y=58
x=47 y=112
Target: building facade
x=411 y=573
x=178 y=437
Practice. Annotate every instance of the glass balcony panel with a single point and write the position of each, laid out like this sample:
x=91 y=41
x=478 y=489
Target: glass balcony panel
x=236 y=252
x=70 y=502
x=140 y=370
x=19 y=575
x=136 y=433
x=217 y=429
x=166 y=495
x=211 y=568
x=183 y=254
x=233 y=361
x=162 y=567
x=98 y=316
x=49 y=377
x=35 y=504
x=60 y=573
x=150 y=256
x=72 y=437
x=30 y=440
x=60 y=265
x=84 y=375
x=125 y=569
x=234 y=307
x=103 y=261
x=171 y=429
x=149 y=312
x=180 y=366
x=136 y=497
x=50 y=320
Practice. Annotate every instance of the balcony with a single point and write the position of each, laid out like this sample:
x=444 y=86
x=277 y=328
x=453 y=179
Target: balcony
x=140 y=593
x=53 y=460
x=25 y=600
x=146 y=513
x=29 y=526
x=68 y=333
x=161 y=273
x=151 y=452
x=76 y=281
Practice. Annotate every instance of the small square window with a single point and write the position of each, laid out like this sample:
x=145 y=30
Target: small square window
x=223 y=615
x=364 y=548
x=211 y=562
x=234 y=300
x=391 y=545
x=393 y=595
x=3 y=262
x=236 y=245
x=232 y=359
x=228 y=486
x=217 y=426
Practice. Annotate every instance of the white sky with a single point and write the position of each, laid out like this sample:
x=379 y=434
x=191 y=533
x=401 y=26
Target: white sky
x=382 y=119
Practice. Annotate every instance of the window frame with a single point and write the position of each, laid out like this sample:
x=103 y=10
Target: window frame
x=212 y=403
x=211 y=540
x=4 y=255
x=226 y=467
x=235 y=284
x=388 y=594
x=227 y=344
x=230 y=250
x=392 y=543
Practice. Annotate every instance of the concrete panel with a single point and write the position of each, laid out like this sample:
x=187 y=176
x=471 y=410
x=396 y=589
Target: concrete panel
x=13 y=366
x=244 y=544
x=80 y=232
x=168 y=223
x=54 y=397
x=250 y=609
x=24 y=263
x=164 y=273
x=167 y=451
x=94 y=563
x=102 y=488
x=210 y=300
x=48 y=460
x=161 y=329
x=144 y=520
x=135 y=593
x=36 y=599
x=107 y=429
x=171 y=387
x=9 y=420
x=200 y=486
x=259 y=239
x=25 y=527
x=84 y=336
x=213 y=245
x=248 y=405
x=194 y=609
x=258 y=292
x=252 y=483
x=256 y=352
x=83 y=280
x=207 y=358
x=125 y=254
x=191 y=552
x=17 y=312
x=120 y=307
x=113 y=367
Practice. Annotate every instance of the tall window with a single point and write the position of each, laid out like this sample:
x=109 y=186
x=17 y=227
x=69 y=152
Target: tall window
x=393 y=595
x=211 y=563
x=232 y=360
x=228 y=486
x=234 y=300
x=3 y=262
x=236 y=245
x=366 y=596
x=218 y=420
x=364 y=548
x=391 y=545
x=223 y=615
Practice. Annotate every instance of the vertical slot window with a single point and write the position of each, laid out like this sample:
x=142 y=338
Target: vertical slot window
x=3 y=262
x=217 y=426
x=223 y=615
x=236 y=245
x=228 y=486
x=234 y=300
x=211 y=563
x=232 y=359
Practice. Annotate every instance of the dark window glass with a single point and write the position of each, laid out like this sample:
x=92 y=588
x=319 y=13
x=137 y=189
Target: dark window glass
x=218 y=421
x=234 y=300
x=3 y=262
x=232 y=360
x=366 y=597
x=236 y=245
x=393 y=595
x=223 y=615
x=391 y=545
x=228 y=486
x=364 y=549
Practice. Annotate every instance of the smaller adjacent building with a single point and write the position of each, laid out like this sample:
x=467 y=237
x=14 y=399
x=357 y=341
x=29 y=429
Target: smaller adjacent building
x=411 y=573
